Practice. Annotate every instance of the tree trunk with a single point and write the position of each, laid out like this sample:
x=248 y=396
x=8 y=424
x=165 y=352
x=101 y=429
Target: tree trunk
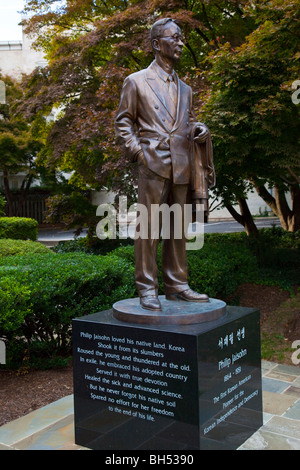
x=289 y=217
x=249 y=224
x=244 y=218
x=23 y=193
x=294 y=220
x=266 y=196
x=8 y=194
x=283 y=211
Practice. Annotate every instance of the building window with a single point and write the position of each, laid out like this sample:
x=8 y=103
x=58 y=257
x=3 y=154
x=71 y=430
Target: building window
x=10 y=46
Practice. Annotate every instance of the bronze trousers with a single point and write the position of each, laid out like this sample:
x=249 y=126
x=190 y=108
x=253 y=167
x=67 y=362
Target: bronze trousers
x=153 y=191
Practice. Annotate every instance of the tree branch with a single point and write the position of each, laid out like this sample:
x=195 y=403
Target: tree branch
x=266 y=196
x=297 y=178
x=192 y=54
x=206 y=38
x=234 y=213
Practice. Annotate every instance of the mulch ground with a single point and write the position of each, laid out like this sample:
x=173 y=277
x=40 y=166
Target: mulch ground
x=22 y=393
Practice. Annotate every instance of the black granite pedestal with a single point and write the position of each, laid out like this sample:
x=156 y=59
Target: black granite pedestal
x=167 y=387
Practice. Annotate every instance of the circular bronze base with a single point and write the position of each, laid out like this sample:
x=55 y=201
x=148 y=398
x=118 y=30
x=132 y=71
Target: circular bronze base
x=173 y=312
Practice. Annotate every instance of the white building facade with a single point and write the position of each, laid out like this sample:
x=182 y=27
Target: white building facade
x=19 y=57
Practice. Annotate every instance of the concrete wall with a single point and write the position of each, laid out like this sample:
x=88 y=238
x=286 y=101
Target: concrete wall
x=18 y=57
x=256 y=205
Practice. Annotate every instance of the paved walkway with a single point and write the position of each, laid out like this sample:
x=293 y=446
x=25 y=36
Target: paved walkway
x=51 y=427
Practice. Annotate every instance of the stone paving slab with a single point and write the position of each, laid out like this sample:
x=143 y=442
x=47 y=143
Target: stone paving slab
x=52 y=427
x=281 y=406
x=22 y=432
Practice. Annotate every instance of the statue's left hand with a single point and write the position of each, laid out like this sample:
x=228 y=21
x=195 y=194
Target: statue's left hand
x=203 y=202
x=202 y=134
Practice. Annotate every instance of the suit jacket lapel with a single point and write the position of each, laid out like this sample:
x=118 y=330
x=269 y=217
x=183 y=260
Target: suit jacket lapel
x=180 y=104
x=157 y=87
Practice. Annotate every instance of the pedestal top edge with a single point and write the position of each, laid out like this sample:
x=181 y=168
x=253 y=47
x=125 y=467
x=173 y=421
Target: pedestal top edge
x=106 y=317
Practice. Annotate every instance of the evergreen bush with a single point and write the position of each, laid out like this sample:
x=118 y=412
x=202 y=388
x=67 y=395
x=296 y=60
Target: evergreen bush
x=42 y=291
x=21 y=247
x=46 y=291
x=2 y=205
x=18 y=228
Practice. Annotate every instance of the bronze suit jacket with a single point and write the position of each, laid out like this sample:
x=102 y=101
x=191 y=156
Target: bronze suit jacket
x=144 y=122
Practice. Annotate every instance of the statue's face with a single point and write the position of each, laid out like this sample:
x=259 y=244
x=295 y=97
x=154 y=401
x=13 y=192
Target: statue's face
x=170 y=44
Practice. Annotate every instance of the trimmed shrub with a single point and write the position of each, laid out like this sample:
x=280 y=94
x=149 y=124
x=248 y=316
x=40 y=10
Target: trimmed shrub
x=277 y=236
x=18 y=228
x=228 y=260
x=90 y=245
x=14 y=304
x=57 y=288
x=217 y=269
x=2 y=205
x=125 y=252
x=40 y=293
x=21 y=247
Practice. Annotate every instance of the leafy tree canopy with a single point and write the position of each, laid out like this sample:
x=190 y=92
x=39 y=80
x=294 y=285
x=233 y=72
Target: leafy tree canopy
x=241 y=58
x=18 y=144
x=250 y=110
x=91 y=47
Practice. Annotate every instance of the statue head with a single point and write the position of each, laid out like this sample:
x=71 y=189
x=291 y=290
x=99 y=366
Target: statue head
x=166 y=39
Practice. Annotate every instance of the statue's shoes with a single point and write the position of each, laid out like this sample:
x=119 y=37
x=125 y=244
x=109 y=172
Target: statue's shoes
x=189 y=295
x=150 y=302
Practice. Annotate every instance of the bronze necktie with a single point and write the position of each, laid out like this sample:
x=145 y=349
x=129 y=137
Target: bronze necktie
x=173 y=94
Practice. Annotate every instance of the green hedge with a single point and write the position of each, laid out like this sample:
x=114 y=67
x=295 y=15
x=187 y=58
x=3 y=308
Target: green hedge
x=14 y=304
x=21 y=247
x=18 y=228
x=217 y=269
x=220 y=267
x=40 y=293
x=230 y=259
x=45 y=291
x=90 y=245
x=2 y=205
x=274 y=237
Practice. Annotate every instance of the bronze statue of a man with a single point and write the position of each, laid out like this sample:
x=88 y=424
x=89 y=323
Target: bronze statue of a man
x=154 y=124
